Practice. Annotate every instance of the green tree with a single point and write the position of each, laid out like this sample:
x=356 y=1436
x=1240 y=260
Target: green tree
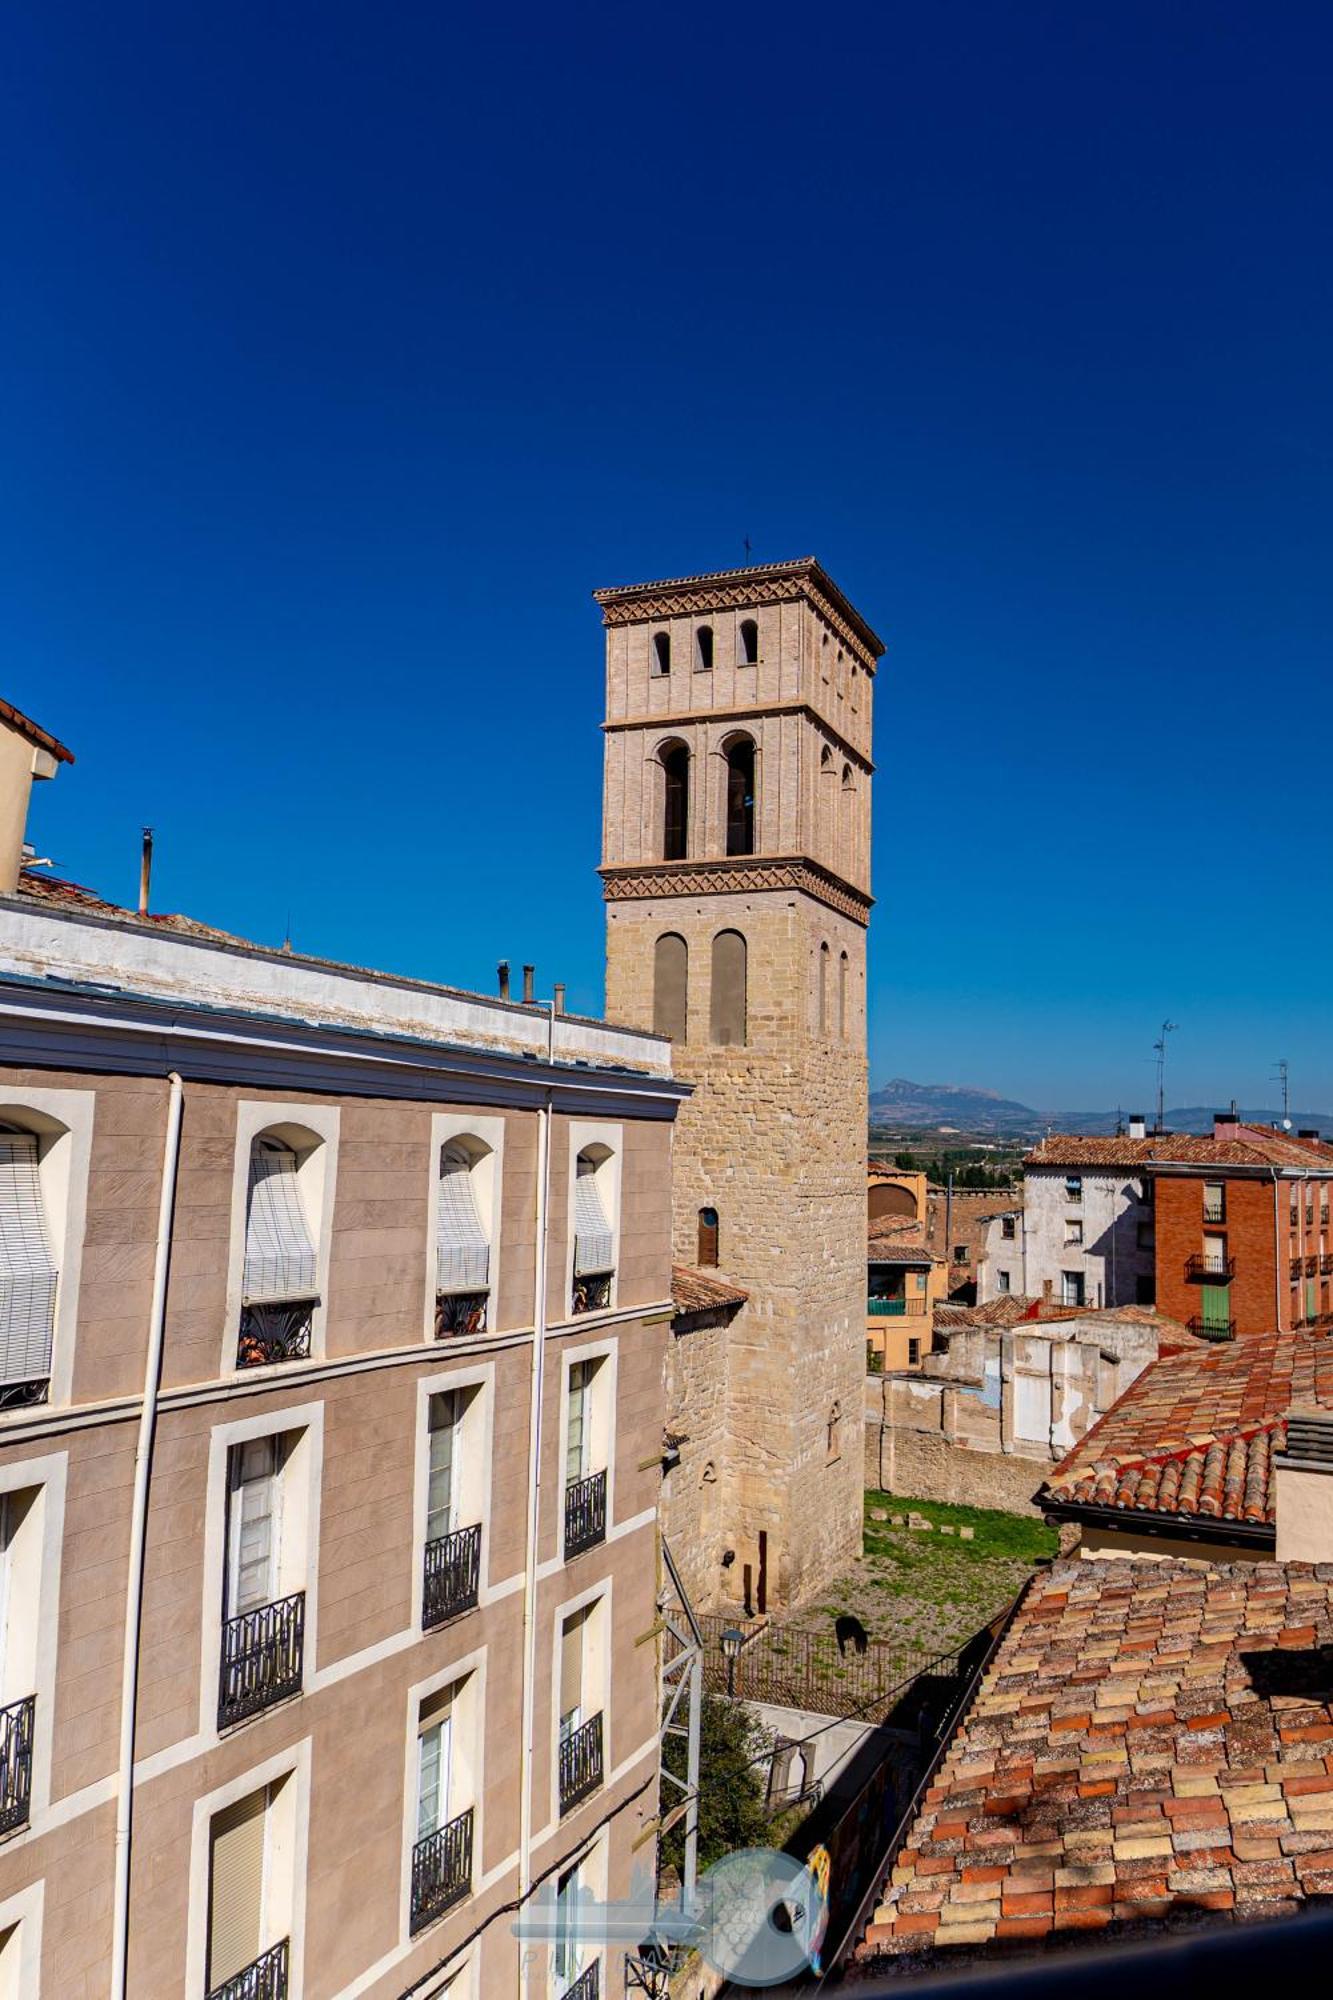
x=731 y=1783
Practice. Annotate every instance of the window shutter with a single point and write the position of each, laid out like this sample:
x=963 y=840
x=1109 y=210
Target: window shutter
x=279 y=1249
x=440 y=1485
x=27 y=1267
x=592 y=1231
x=571 y=1673
x=254 y=1497
x=463 y=1254
x=579 y=1377
x=236 y=1895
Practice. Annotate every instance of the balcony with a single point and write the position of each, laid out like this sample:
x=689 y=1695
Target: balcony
x=263 y=1653
x=1312 y=1267
x=1214 y=1213
x=275 y=1330
x=592 y=1292
x=16 y=1725
x=266 y=1979
x=896 y=1308
x=588 y=1985
x=1326 y=1265
x=452 y=1574
x=441 y=1870
x=580 y=1764
x=1296 y=1269
x=585 y=1514
x=460 y=1314
x=1210 y=1270
x=1213 y=1329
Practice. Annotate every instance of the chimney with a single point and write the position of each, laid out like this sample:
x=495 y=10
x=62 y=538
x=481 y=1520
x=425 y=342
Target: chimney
x=528 y=972
x=559 y=998
x=1138 y=1125
x=1303 y=1488
x=27 y=754
x=1225 y=1123
x=1308 y=1132
x=503 y=971
x=145 y=870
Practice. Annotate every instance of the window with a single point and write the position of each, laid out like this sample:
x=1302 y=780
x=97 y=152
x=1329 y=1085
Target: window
x=452 y=1556
x=1071 y=1288
x=671 y=972
x=1145 y=1290
x=263 y=1617
x=661 y=653
x=749 y=635
x=594 y=1236
x=1215 y=1201
x=913 y=1352
x=1073 y=1229
x=707 y=1238
x=462 y=1241
x=740 y=761
x=1008 y=1228
x=703 y=649
x=823 y=989
x=1074 y=1187
x=587 y=1451
x=1003 y=1281
x=960 y=1255
x=28 y=1274
x=580 y=1668
x=250 y=1865
x=279 y=1285
x=21 y=1526
x=727 y=1001
x=844 y=970
x=834 y=1424
x=567 y=1953
x=442 y=1850
x=676 y=802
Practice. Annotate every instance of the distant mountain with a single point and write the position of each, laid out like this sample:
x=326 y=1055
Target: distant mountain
x=969 y=1108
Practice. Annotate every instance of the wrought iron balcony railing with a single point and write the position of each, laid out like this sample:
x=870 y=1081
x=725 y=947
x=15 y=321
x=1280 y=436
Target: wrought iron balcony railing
x=21 y=1395
x=1312 y=1267
x=452 y=1575
x=1214 y=1211
x=585 y=1514
x=588 y=1985
x=580 y=1763
x=1210 y=1269
x=458 y=1314
x=441 y=1870
x=1326 y=1264
x=275 y=1330
x=1213 y=1329
x=265 y=1979
x=263 y=1653
x=592 y=1291
x=1296 y=1268
x=16 y=1726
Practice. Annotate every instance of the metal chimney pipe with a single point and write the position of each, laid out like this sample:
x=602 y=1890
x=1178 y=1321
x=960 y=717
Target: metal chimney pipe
x=529 y=972
x=503 y=970
x=559 y=999
x=145 y=870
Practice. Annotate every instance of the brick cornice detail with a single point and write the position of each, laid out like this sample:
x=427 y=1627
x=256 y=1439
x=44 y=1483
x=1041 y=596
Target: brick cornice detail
x=687 y=602
x=733 y=875
x=753 y=711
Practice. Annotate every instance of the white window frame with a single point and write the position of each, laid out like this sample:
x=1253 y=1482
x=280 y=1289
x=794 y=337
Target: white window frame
x=61 y=1121
x=1080 y=1283
x=583 y=1133
x=476 y=1461
x=298 y=1558
x=23 y=1912
x=488 y=1189
x=468 y=1762
x=597 y=1593
x=292 y=1762
x=317 y=1177
x=49 y=1476
x=592 y=1865
x=603 y=1402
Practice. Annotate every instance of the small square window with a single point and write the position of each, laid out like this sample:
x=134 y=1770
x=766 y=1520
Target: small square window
x=960 y=1253
x=1074 y=1230
x=1074 y=1187
x=1002 y=1279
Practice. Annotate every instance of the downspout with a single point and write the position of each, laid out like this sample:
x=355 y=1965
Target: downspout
x=143 y=1459
x=1277 y=1254
x=527 y=1756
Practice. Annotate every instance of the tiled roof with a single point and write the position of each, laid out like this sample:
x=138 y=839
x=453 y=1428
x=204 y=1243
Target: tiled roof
x=1014 y=1308
x=40 y=887
x=34 y=732
x=692 y=1292
x=1248 y=1146
x=897 y=1239
x=1227 y=1480
x=1151 y=1739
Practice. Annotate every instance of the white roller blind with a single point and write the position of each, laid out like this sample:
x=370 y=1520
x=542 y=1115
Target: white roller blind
x=463 y=1254
x=592 y=1231
x=27 y=1266
x=279 y=1249
x=236 y=1888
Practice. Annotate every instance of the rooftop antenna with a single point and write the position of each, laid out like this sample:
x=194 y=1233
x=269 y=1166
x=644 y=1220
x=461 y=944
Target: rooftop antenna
x=1159 y=1050
x=747 y=548
x=1281 y=1073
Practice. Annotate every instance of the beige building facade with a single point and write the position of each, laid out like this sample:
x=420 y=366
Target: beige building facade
x=735 y=863
x=332 y=1324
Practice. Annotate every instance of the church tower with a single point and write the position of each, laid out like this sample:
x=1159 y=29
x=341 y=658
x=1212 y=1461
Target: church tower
x=736 y=871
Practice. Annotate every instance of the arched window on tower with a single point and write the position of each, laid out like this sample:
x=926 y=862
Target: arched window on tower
x=703 y=649
x=671 y=971
x=707 y=1258
x=844 y=975
x=740 y=795
x=675 y=801
x=661 y=652
x=727 y=1022
x=823 y=988
x=749 y=635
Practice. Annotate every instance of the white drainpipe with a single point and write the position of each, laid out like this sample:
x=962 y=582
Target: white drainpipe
x=143 y=1456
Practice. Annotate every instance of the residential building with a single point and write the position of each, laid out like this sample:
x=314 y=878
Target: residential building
x=736 y=861
x=1002 y=1271
x=958 y=1229
x=904 y=1284
x=333 y=1310
x=895 y=1192
x=1228 y=1231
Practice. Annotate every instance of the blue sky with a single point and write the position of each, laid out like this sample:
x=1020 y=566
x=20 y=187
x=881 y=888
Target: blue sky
x=346 y=349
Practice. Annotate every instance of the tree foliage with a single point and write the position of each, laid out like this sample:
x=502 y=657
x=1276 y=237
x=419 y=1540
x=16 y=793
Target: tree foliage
x=731 y=1783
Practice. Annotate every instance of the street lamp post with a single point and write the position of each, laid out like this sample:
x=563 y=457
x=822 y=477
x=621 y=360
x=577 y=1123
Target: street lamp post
x=732 y=1641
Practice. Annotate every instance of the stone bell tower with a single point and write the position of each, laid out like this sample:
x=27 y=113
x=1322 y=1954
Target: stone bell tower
x=736 y=868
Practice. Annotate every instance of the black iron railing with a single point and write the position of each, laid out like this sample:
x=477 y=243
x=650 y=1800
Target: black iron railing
x=580 y=1763
x=1326 y=1265
x=452 y=1574
x=1312 y=1267
x=1213 y=1329
x=1209 y=1269
x=592 y=1292
x=1295 y=1269
x=276 y=1331
x=265 y=1979
x=441 y=1870
x=585 y=1514
x=588 y=1985
x=458 y=1314
x=22 y=1395
x=262 y=1657
x=16 y=1726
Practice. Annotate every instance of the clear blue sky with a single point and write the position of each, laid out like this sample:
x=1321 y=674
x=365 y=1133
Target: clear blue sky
x=345 y=349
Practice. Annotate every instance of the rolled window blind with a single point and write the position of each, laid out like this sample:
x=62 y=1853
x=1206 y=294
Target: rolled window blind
x=592 y=1230
x=463 y=1254
x=236 y=1890
x=279 y=1249
x=27 y=1266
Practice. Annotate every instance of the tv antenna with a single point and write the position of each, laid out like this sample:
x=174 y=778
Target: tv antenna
x=1159 y=1050
x=1281 y=1074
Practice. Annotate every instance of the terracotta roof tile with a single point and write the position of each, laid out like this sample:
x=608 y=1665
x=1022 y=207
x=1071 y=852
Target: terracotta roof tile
x=1227 y=1480
x=692 y=1292
x=1250 y=1146
x=34 y=732
x=898 y=1239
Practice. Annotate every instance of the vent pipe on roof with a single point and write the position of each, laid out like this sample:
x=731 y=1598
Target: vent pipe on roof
x=503 y=970
x=1138 y=1125
x=1303 y=1488
x=559 y=998
x=145 y=870
x=529 y=972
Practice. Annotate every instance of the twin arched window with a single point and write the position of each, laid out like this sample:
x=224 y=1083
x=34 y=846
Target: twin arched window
x=727 y=1010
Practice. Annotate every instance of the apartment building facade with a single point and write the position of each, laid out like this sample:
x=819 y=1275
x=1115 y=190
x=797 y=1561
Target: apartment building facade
x=332 y=1317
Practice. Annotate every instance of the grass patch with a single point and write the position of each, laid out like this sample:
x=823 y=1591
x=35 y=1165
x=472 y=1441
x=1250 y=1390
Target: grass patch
x=1018 y=1536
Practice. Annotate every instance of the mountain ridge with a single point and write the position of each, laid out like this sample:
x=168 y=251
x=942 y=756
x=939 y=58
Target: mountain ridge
x=976 y=1109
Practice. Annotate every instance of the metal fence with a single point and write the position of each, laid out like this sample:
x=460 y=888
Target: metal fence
x=797 y=1667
